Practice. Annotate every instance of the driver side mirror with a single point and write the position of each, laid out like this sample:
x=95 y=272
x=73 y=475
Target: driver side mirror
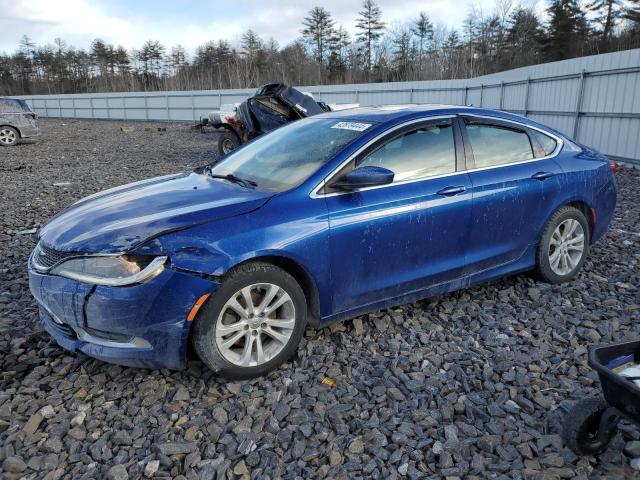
x=369 y=176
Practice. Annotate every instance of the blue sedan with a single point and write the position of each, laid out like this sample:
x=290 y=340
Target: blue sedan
x=319 y=221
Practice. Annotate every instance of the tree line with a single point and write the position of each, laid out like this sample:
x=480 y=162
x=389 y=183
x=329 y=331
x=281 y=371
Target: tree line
x=509 y=36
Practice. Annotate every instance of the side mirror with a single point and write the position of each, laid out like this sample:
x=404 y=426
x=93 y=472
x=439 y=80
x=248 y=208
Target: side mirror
x=364 y=177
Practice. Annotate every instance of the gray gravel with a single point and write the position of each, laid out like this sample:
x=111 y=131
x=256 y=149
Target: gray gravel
x=471 y=384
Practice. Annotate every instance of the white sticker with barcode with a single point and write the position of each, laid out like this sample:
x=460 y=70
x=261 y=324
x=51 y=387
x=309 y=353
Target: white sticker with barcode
x=356 y=126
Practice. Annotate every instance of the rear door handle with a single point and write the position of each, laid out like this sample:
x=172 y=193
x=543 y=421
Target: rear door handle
x=542 y=175
x=449 y=191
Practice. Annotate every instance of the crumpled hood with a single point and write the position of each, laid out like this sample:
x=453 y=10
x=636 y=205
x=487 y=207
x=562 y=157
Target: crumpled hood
x=121 y=218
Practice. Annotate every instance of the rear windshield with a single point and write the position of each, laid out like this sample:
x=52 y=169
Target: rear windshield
x=286 y=157
x=12 y=105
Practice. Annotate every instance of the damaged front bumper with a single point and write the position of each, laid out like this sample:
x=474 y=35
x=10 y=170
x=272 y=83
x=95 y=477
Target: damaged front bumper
x=143 y=325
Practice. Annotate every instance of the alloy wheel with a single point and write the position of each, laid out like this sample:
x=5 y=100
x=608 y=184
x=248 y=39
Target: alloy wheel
x=227 y=145
x=566 y=247
x=255 y=324
x=8 y=136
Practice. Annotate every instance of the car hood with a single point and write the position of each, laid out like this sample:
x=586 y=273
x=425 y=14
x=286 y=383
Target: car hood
x=121 y=218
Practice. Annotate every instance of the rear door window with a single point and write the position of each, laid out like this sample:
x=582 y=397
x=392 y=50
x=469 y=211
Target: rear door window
x=495 y=145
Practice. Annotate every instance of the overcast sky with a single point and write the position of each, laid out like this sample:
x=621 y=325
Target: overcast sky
x=193 y=22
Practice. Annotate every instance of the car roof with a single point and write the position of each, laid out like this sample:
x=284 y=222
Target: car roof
x=394 y=113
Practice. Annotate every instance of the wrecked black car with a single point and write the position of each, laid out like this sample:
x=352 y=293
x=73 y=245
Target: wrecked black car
x=272 y=106
x=17 y=121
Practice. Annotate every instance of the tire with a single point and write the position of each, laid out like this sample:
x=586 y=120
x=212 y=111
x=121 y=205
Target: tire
x=227 y=142
x=566 y=263
x=9 y=136
x=581 y=426
x=218 y=322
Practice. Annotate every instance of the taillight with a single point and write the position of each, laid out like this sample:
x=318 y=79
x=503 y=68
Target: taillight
x=614 y=166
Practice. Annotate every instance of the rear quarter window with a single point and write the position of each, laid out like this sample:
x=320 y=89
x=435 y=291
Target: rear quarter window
x=547 y=143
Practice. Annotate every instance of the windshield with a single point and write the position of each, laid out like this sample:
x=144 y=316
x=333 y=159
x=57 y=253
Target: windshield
x=289 y=155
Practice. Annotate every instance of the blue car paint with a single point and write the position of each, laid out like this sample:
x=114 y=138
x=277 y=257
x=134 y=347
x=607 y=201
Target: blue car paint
x=355 y=249
x=373 y=230
x=156 y=311
x=510 y=208
x=115 y=221
x=292 y=228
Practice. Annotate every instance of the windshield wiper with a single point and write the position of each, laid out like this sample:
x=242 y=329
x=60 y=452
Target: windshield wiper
x=232 y=178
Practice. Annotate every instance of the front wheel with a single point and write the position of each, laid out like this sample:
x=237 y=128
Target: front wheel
x=227 y=142
x=253 y=323
x=563 y=246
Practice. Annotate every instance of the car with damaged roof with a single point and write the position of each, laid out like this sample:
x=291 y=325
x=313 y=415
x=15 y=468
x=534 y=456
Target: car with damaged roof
x=17 y=121
x=319 y=221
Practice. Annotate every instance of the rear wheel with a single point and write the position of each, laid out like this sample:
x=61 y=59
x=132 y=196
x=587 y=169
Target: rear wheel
x=8 y=136
x=252 y=324
x=563 y=246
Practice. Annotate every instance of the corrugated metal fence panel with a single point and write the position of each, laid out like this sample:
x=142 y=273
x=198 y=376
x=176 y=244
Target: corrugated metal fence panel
x=555 y=95
x=513 y=97
x=593 y=98
x=561 y=123
x=474 y=96
x=491 y=97
x=612 y=93
x=615 y=136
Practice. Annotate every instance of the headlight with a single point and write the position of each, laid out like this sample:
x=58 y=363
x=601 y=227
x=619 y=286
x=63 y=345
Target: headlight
x=114 y=271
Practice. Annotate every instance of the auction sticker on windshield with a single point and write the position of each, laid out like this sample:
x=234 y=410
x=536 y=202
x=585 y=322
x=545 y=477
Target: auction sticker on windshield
x=357 y=126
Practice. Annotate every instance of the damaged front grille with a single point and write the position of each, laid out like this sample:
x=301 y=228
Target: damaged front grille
x=44 y=257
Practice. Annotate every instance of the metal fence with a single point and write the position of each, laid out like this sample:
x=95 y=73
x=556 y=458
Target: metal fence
x=595 y=100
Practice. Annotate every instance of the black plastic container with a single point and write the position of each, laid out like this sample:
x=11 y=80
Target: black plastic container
x=618 y=391
x=592 y=422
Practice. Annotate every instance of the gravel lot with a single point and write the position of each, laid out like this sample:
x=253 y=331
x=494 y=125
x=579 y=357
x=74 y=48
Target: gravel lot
x=471 y=384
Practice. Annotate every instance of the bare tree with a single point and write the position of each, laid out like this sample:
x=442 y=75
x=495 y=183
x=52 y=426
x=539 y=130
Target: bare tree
x=488 y=42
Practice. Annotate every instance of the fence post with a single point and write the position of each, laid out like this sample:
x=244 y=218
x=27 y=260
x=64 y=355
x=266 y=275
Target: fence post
x=108 y=107
x=59 y=108
x=146 y=106
x=526 y=97
x=501 y=94
x=576 y=119
x=46 y=108
x=466 y=95
x=73 y=104
x=481 y=93
x=166 y=100
x=93 y=115
x=411 y=96
x=193 y=106
x=124 y=106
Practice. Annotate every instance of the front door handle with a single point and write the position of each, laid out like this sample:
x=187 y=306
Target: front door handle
x=449 y=191
x=542 y=175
